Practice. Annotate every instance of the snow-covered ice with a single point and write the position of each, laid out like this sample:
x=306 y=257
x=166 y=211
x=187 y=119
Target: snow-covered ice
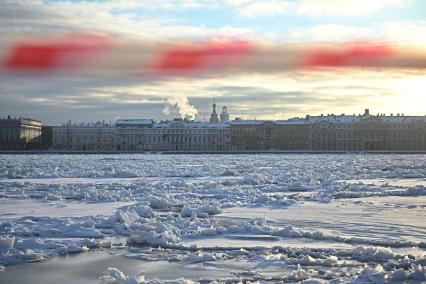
x=308 y=218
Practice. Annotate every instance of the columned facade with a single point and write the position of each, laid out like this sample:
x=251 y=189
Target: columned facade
x=269 y=135
x=19 y=133
x=319 y=133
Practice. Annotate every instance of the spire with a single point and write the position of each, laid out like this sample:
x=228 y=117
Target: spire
x=213 y=116
x=224 y=116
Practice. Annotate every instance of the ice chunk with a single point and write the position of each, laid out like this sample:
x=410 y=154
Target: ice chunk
x=201 y=212
x=373 y=253
x=309 y=260
x=160 y=203
x=35 y=243
x=299 y=274
x=416 y=191
x=200 y=257
x=31 y=255
x=116 y=276
x=399 y=275
x=153 y=238
x=127 y=216
x=228 y=172
x=6 y=242
x=209 y=209
x=144 y=211
x=298 y=188
x=313 y=281
x=250 y=180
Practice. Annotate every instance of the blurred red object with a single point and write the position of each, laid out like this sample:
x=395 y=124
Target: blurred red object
x=59 y=53
x=101 y=55
x=205 y=56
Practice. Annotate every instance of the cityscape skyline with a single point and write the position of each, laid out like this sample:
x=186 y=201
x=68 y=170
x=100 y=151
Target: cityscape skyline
x=212 y=141
x=275 y=95
x=203 y=117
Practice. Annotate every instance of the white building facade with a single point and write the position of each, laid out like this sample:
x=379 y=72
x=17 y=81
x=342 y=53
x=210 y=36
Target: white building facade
x=319 y=133
x=143 y=135
x=84 y=137
x=19 y=133
x=177 y=135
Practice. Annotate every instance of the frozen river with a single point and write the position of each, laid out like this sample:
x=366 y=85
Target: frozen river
x=179 y=218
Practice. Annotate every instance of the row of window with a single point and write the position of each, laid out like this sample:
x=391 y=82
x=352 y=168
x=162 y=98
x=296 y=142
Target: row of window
x=369 y=126
x=350 y=145
x=350 y=135
x=142 y=139
x=147 y=147
x=173 y=131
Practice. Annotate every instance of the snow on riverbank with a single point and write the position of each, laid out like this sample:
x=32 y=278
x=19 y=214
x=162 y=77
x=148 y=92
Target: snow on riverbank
x=296 y=217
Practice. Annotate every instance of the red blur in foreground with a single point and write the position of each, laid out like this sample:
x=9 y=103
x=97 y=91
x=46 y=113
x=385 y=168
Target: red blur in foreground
x=353 y=55
x=45 y=56
x=100 y=55
x=210 y=55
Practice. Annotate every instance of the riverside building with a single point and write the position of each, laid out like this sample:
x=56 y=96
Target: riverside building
x=269 y=135
x=146 y=135
x=19 y=133
x=176 y=135
x=367 y=132
x=363 y=132
x=98 y=136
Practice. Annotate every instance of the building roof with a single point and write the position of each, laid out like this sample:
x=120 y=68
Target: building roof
x=190 y=124
x=247 y=122
x=143 y=121
x=359 y=118
x=334 y=119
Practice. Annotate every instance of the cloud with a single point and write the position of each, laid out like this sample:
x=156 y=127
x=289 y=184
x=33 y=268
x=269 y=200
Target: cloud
x=275 y=95
x=411 y=33
x=246 y=95
x=97 y=94
x=329 y=33
x=122 y=17
x=311 y=8
x=403 y=33
x=247 y=8
x=345 y=7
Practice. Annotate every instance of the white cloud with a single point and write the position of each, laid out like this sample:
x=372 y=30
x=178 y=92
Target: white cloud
x=247 y=8
x=329 y=33
x=111 y=97
x=344 y=7
x=54 y=17
x=333 y=8
x=410 y=33
x=401 y=33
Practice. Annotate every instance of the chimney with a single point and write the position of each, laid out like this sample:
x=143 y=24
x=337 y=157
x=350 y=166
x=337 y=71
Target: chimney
x=367 y=111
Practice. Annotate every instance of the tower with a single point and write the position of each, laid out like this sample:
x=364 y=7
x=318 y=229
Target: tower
x=213 y=116
x=224 y=116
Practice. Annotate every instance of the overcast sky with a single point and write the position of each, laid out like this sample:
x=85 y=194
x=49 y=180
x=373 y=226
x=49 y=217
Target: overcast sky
x=263 y=96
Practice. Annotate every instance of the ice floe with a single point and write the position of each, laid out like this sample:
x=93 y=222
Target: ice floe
x=307 y=218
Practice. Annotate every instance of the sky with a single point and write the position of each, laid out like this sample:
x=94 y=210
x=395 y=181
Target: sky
x=276 y=95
